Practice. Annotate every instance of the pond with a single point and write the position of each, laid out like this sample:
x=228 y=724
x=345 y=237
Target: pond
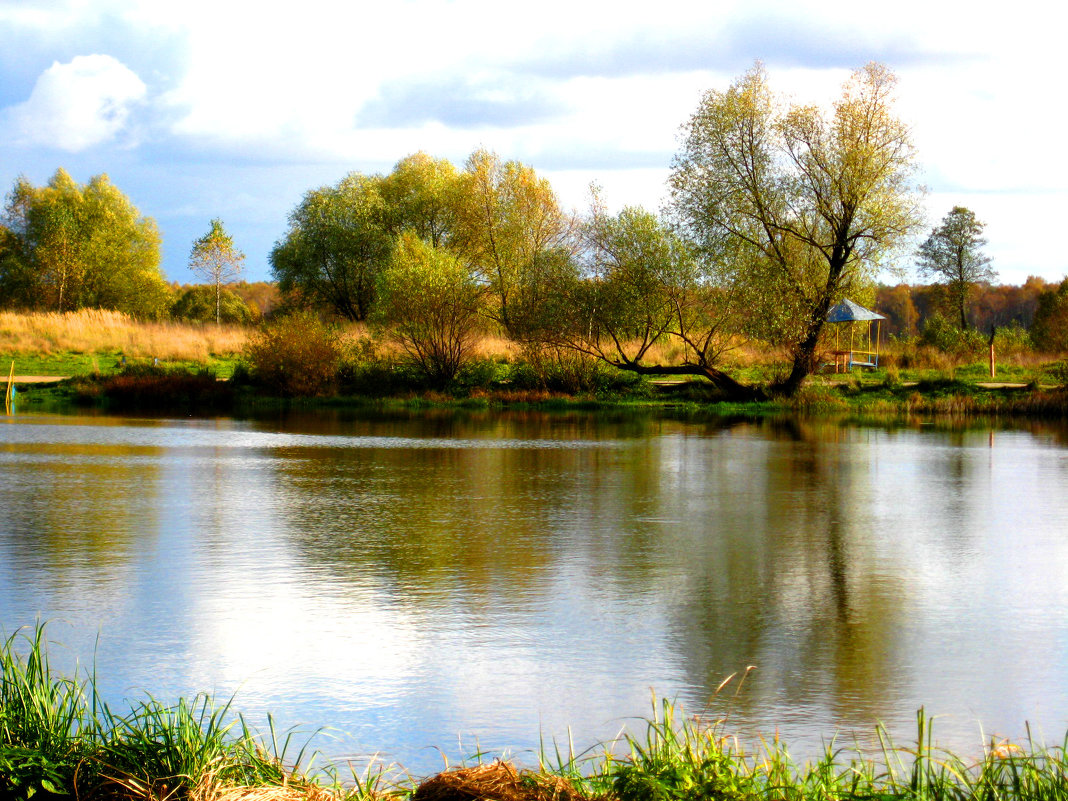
x=431 y=584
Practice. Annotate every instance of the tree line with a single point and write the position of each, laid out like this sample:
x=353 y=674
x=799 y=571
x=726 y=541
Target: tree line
x=776 y=212
x=66 y=246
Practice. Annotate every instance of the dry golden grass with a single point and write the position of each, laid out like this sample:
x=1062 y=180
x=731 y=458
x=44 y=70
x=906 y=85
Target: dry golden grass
x=209 y=788
x=305 y=793
x=98 y=331
x=497 y=781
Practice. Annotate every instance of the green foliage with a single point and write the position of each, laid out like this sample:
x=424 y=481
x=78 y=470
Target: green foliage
x=203 y=305
x=1012 y=339
x=295 y=355
x=1058 y=373
x=55 y=730
x=70 y=246
x=940 y=333
x=143 y=385
x=481 y=374
x=432 y=306
x=646 y=289
x=41 y=719
x=570 y=372
x=58 y=737
x=693 y=760
x=158 y=748
x=338 y=242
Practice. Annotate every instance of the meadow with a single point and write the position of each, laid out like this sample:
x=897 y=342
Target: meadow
x=110 y=352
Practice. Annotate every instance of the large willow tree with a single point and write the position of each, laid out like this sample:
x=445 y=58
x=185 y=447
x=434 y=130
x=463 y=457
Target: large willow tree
x=795 y=206
x=67 y=246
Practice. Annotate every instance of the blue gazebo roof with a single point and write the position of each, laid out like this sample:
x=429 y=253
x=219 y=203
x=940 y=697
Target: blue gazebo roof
x=847 y=311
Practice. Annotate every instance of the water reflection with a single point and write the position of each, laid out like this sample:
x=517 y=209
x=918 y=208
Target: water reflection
x=408 y=578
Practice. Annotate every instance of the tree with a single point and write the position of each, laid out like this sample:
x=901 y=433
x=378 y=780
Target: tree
x=642 y=292
x=339 y=240
x=69 y=246
x=432 y=306
x=953 y=254
x=215 y=258
x=511 y=231
x=792 y=206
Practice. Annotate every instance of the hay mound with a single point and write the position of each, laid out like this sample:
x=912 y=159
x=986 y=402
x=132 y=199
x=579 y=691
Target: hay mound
x=498 y=781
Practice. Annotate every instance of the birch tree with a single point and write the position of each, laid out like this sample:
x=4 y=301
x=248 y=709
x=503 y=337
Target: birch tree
x=215 y=258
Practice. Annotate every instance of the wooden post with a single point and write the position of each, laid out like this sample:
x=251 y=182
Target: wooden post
x=993 y=330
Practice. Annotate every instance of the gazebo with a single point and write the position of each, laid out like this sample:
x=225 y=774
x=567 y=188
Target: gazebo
x=866 y=352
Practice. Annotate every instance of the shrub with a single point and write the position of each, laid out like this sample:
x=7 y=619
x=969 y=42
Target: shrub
x=197 y=304
x=938 y=332
x=480 y=374
x=569 y=372
x=431 y=306
x=1012 y=340
x=365 y=370
x=295 y=356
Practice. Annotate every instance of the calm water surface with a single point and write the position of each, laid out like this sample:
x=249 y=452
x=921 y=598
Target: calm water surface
x=459 y=581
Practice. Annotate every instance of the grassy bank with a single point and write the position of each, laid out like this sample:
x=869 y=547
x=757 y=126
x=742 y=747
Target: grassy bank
x=169 y=388
x=125 y=365
x=58 y=739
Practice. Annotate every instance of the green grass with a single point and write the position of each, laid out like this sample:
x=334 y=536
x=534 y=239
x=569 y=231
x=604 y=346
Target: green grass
x=59 y=739
x=69 y=363
x=680 y=758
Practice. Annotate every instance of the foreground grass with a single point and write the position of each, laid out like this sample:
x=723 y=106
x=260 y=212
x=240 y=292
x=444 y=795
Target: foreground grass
x=59 y=739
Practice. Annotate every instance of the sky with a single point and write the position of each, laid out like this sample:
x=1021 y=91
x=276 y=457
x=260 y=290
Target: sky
x=200 y=109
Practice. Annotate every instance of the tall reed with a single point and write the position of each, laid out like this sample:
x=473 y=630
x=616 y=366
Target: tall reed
x=57 y=735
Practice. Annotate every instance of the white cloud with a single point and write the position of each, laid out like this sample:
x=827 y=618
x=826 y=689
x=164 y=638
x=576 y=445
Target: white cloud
x=77 y=105
x=578 y=93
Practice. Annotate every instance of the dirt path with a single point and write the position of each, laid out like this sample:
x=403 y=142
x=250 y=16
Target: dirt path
x=36 y=379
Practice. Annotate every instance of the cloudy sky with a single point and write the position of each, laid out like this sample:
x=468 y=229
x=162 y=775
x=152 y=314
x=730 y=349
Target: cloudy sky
x=228 y=109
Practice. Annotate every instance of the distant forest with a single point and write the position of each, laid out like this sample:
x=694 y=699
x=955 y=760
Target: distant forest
x=907 y=307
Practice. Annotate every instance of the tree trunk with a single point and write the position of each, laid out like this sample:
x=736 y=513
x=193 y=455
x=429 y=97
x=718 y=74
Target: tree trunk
x=805 y=355
x=803 y=366
x=732 y=389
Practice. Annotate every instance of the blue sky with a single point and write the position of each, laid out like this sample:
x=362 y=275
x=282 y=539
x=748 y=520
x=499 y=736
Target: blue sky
x=235 y=109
